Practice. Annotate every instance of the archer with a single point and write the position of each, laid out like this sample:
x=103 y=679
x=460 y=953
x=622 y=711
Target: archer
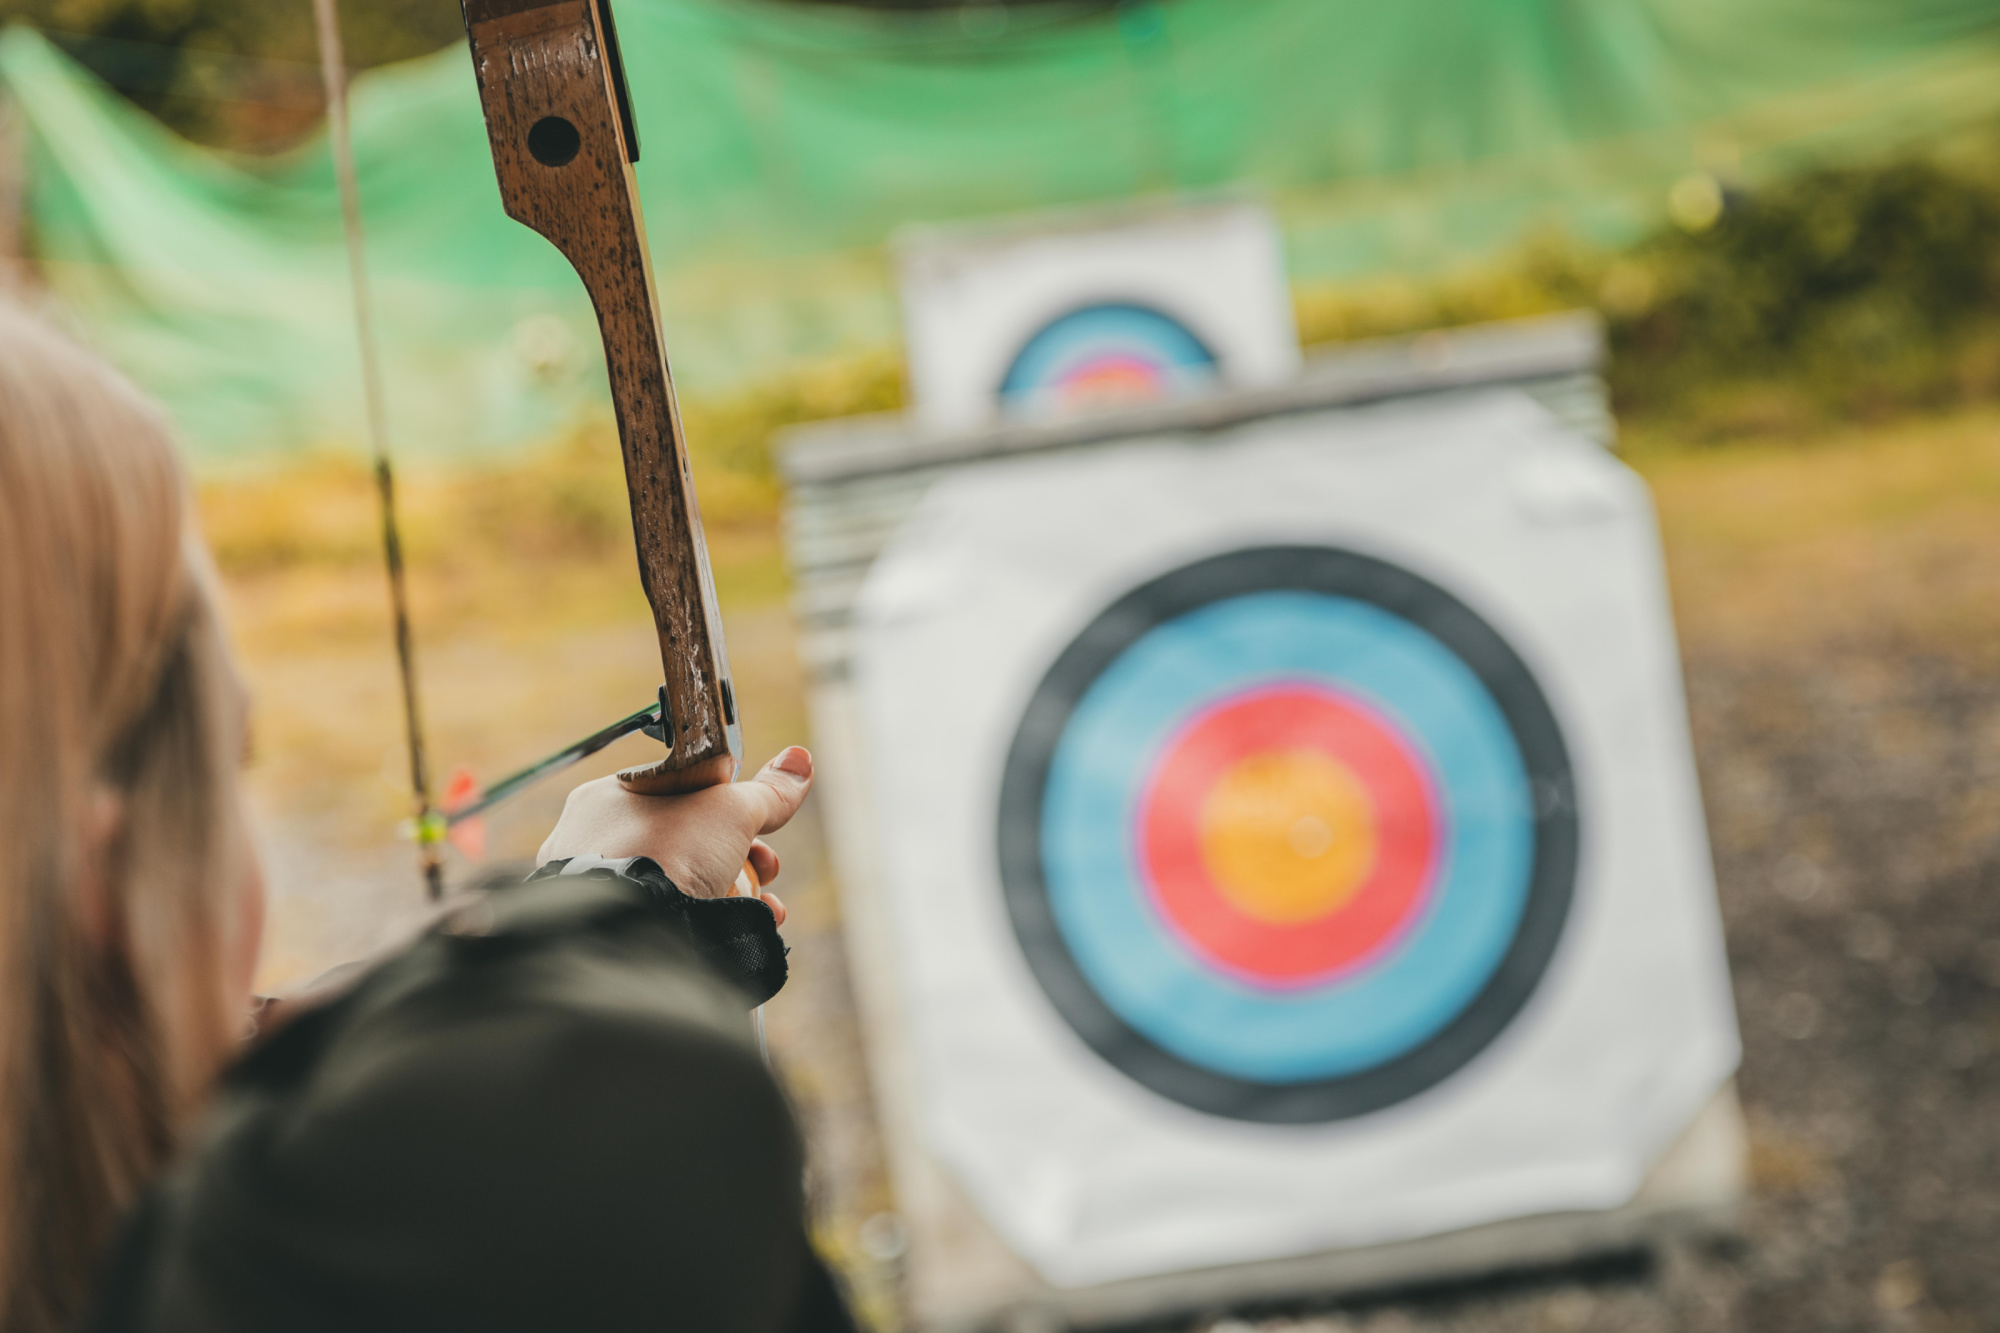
x=548 y=1111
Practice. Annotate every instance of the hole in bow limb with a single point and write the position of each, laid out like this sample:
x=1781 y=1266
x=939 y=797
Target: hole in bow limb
x=553 y=141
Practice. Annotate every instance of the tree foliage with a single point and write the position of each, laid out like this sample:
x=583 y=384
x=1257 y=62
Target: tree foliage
x=242 y=73
x=235 y=73
x=1868 y=283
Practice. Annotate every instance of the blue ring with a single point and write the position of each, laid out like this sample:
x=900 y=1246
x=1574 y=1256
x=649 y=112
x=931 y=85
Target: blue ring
x=1128 y=329
x=1091 y=812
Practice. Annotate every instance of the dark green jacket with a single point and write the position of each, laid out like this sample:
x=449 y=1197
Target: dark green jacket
x=550 y=1113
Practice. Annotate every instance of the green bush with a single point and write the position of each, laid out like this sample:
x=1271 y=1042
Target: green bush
x=1861 y=289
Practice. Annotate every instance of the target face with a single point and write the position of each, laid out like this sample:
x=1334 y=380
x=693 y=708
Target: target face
x=1288 y=835
x=1107 y=353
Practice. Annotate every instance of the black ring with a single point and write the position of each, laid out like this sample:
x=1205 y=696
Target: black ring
x=1552 y=878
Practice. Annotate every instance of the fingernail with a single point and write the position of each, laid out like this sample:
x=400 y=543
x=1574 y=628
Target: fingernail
x=796 y=761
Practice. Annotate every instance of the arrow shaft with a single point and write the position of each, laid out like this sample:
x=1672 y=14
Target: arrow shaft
x=645 y=719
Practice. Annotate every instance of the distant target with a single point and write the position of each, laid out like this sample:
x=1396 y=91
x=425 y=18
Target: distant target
x=1288 y=835
x=1108 y=353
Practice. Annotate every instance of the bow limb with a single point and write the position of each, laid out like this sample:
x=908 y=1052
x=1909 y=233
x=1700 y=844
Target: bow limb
x=563 y=141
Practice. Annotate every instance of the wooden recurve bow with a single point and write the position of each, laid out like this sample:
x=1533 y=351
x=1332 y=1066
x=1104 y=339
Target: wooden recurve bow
x=559 y=116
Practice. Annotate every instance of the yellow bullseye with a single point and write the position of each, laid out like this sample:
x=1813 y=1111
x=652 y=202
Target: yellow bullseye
x=1288 y=835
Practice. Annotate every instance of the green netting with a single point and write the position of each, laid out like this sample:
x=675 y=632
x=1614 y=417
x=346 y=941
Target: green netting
x=784 y=145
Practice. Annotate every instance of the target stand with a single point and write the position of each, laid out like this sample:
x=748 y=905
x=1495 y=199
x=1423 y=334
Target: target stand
x=1270 y=848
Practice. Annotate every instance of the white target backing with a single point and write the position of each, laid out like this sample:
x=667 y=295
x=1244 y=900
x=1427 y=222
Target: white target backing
x=1275 y=841
x=1055 y=316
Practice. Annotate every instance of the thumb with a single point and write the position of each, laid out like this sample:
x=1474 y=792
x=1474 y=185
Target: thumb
x=779 y=788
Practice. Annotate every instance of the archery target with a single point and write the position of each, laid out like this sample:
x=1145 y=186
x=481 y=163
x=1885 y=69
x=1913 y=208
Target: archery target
x=1286 y=838
x=1107 y=353
x=1271 y=837
x=1054 y=315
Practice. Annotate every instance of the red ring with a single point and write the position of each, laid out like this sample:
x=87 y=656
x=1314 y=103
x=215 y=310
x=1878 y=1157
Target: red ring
x=1289 y=716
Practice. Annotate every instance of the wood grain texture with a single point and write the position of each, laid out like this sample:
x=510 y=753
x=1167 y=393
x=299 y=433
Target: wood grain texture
x=534 y=60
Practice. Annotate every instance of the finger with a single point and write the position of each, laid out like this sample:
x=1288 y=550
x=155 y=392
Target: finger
x=763 y=863
x=661 y=780
x=780 y=787
x=777 y=908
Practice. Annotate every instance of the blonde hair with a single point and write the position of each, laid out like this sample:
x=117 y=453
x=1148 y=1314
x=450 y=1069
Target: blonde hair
x=119 y=737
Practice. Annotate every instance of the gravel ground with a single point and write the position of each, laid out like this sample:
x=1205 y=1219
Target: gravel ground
x=1854 y=801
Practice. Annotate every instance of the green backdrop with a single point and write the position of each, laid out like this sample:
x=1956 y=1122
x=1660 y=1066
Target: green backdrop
x=783 y=146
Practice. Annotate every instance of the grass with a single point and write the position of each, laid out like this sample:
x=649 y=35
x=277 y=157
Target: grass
x=529 y=619
x=1887 y=531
